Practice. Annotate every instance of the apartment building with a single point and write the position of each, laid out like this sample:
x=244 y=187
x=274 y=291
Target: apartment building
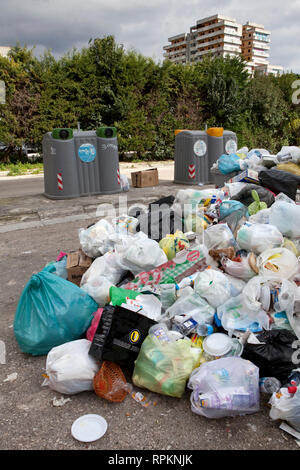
x=220 y=35
x=4 y=50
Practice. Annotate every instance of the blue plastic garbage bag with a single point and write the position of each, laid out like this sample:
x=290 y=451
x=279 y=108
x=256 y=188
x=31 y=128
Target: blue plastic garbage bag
x=227 y=163
x=51 y=311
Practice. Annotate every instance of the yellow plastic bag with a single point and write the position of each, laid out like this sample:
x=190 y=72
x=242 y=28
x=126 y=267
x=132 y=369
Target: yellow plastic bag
x=164 y=367
x=172 y=244
x=290 y=167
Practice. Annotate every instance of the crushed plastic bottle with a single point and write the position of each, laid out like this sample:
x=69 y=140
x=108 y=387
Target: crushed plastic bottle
x=269 y=385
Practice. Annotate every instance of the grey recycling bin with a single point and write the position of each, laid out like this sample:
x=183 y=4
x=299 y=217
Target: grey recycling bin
x=191 y=157
x=197 y=151
x=80 y=163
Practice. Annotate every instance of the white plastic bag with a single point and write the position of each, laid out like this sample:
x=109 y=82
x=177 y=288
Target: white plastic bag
x=286 y=406
x=234 y=315
x=138 y=253
x=104 y=272
x=213 y=286
x=240 y=269
x=261 y=217
x=285 y=217
x=259 y=237
x=225 y=387
x=189 y=305
x=96 y=240
x=256 y=294
x=277 y=263
x=70 y=368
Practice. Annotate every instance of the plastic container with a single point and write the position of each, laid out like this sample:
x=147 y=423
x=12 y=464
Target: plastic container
x=217 y=345
x=269 y=385
x=204 y=329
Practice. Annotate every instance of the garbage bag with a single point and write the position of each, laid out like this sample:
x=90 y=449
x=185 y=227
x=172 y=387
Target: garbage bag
x=256 y=205
x=280 y=181
x=277 y=263
x=139 y=253
x=96 y=240
x=51 y=311
x=213 y=286
x=119 y=335
x=239 y=268
x=156 y=224
x=285 y=217
x=164 y=367
x=244 y=195
x=259 y=237
x=227 y=163
x=235 y=315
x=274 y=355
x=286 y=406
x=104 y=272
x=173 y=243
x=190 y=305
x=225 y=387
x=58 y=267
x=290 y=167
x=94 y=324
x=219 y=236
x=233 y=213
x=70 y=368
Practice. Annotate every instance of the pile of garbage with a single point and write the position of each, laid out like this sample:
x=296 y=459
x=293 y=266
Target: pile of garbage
x=199 y=293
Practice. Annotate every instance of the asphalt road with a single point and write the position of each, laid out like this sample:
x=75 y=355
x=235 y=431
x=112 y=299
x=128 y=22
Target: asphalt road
x=29 y=419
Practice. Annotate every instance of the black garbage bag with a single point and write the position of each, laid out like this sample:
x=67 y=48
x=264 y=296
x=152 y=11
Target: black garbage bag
x=245 y=196
x=160 y=220
x=275 y=356
x=119 y=335
x=280 y=181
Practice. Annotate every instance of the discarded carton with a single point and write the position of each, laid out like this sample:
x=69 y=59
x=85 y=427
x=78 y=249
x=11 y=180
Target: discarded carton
x=144 y=178
x=77 y=265
x=247 y=176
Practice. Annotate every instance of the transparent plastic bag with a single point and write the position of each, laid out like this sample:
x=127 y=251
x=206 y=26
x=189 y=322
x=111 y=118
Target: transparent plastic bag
x=164 y=366
x=225 y=387
x=96 y=239
x=218 y=236
x=259 y=237
x=70 y=368
x=189 y=305
x=235 y=315
x=285 y=217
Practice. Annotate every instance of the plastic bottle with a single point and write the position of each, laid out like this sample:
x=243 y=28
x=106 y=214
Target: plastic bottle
x=204 y=329
x=160 y=331
x=269 y=385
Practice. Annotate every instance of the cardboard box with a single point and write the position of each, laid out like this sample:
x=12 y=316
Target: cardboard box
x=247 y=176
x=144 y=178
x=77 y=265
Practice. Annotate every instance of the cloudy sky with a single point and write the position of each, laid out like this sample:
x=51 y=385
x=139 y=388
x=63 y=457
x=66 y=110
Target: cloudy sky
x=143 y=25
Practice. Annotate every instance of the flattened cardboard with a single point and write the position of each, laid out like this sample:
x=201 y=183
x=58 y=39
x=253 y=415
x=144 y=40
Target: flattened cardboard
x=144 y=178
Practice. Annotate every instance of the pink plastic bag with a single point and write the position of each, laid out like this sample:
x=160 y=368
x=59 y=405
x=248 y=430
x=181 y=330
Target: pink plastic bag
x=93 y=327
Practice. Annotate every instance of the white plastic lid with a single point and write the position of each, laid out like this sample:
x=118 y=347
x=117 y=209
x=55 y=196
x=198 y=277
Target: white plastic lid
x=89 y=428
x=217 y=344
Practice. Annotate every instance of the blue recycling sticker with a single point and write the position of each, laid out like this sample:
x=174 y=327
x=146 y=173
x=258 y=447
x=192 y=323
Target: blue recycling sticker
x=87 y=152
